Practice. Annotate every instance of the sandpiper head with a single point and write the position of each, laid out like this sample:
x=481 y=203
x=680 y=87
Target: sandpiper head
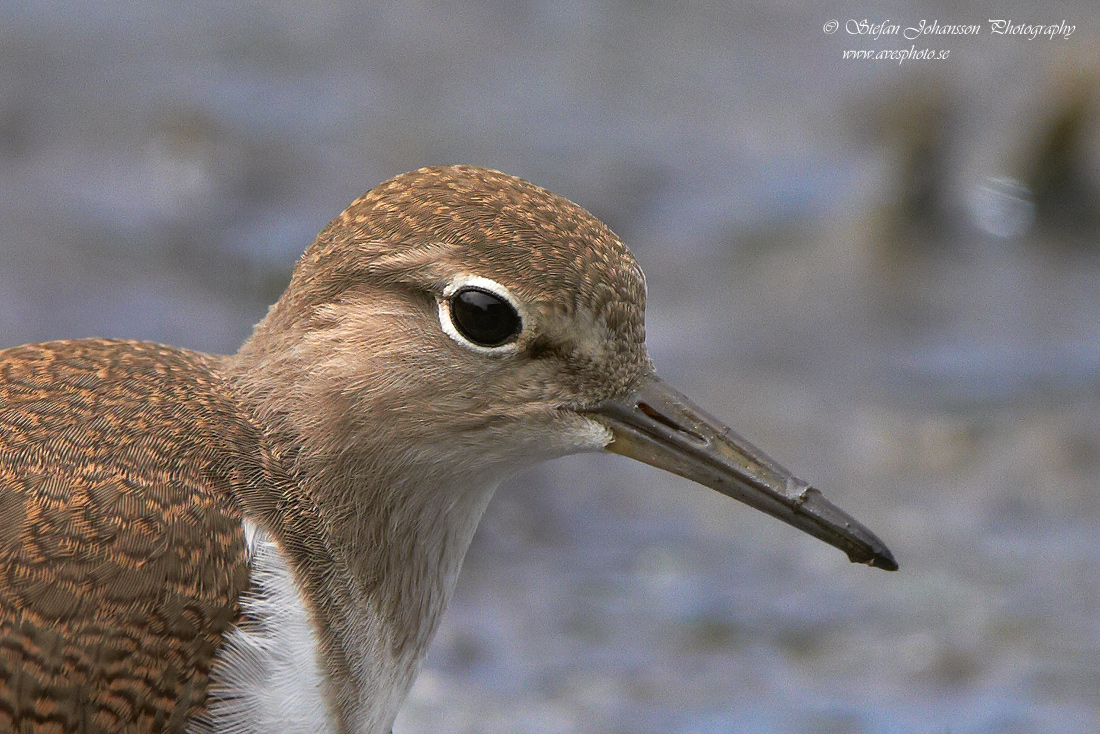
x=481 y=323
x=495 y=307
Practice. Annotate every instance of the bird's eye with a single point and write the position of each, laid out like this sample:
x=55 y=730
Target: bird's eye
x=484 y=318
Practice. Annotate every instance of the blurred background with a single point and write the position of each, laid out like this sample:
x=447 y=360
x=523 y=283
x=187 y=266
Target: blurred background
x=885 y=274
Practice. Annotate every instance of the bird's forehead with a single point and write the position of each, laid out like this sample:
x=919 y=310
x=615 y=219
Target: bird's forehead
x=468 y=220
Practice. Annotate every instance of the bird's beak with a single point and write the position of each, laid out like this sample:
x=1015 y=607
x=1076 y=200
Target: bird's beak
x=657 y=425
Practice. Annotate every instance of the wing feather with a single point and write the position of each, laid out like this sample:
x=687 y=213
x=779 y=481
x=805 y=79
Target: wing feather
x=122 y=554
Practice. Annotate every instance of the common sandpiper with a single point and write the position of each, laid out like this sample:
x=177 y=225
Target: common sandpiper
x=265 y=542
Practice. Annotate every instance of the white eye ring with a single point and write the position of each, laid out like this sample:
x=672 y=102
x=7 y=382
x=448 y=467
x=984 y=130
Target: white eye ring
x=446 y=320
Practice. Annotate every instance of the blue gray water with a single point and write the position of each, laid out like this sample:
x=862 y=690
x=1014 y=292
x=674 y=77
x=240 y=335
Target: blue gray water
x=934 y=370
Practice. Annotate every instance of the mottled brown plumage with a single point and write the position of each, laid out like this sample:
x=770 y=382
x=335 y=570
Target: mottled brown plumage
x=121 y=469
x=124 y=470
x=359 y=433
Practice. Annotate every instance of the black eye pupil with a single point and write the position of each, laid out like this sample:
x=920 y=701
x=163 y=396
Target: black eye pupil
x=483 y=318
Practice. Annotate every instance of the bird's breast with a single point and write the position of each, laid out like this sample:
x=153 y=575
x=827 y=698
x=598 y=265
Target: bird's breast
x=269 y=674
x=273 y=674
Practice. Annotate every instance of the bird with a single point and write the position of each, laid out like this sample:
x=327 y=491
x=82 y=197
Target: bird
x=266 y=541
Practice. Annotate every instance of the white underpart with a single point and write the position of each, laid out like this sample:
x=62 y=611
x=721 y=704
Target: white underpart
x=267 y=675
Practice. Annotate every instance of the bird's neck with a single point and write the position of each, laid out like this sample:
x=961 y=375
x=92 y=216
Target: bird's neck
x=375 y=528
x=402 y=550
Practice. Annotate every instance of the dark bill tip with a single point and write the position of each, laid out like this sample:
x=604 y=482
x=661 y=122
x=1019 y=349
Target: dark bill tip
x=865 y=547
x=657 y=425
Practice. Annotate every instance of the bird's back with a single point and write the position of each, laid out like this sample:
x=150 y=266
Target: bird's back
x=122 y=555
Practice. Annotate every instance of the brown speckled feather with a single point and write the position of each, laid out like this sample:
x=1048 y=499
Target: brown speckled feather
x=122 y=555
